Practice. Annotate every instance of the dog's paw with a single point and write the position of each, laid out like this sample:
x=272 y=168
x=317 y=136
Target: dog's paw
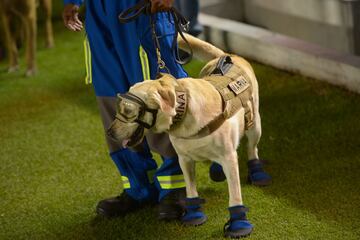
x=256 y=175
x=216 y=173
x=237 y=229
x=238 y=226
x=194 y=218
x=194 y=215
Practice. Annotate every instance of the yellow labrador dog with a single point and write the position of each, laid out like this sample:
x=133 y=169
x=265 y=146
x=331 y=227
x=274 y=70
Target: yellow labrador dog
x=205 y=118
x=26 y=11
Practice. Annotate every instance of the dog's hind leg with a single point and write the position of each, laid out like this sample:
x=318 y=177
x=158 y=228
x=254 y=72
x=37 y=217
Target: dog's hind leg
x=194 y=215
x=253 y=135
x=256 y=174
x=47 y=5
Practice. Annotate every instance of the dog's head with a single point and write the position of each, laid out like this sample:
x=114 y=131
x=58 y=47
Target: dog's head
x=149 y=105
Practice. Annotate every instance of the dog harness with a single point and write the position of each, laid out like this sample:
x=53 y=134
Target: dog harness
x=234 y=86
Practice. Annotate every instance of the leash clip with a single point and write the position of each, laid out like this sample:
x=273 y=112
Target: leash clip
x=161 y=64
x=186 y=26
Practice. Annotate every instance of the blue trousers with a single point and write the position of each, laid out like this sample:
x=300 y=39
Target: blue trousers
x=122 y=55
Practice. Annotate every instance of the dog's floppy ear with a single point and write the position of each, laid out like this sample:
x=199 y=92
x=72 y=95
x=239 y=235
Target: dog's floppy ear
x=167 y=103
x=165 y=96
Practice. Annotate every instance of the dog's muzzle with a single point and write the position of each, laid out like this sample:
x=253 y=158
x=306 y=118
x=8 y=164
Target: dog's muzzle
x=132 y=109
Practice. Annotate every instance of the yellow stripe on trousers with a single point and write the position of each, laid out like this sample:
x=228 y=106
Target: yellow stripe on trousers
x=125 y=182
x=88 y=78
x=143 y=59
x=144 y=63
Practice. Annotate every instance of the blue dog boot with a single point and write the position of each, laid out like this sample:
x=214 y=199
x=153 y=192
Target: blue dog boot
x=216 y=173
x=238 y=226
x=193 y=214
x=257 y=176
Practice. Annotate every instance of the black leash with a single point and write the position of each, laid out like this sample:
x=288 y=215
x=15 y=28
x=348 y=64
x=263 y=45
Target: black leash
x=132 y=13
x=181 y=24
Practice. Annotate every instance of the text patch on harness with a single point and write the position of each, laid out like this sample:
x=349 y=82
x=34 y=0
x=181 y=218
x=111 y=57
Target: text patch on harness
x=239 y=85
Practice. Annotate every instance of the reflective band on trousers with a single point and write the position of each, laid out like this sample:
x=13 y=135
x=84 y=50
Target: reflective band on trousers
x=144 y=63
x=88 y=78
x=171 y=182
x=125 y=182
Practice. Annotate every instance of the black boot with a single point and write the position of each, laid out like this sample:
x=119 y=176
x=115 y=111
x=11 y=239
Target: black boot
x=118 y=206
x=172 y=206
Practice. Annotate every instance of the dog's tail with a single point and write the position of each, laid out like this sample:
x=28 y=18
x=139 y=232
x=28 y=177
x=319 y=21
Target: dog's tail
x=201 y=49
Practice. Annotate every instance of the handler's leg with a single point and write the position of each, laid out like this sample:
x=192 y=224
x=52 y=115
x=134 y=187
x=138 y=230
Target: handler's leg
x=109 y=78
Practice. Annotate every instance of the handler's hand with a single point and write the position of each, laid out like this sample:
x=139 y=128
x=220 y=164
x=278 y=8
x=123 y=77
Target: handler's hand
x=71 y=17
x=161 y=5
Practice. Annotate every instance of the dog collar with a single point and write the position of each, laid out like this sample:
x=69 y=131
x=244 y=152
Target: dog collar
x=182 y=102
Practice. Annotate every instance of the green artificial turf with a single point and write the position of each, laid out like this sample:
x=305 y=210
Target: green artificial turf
x=54 y=165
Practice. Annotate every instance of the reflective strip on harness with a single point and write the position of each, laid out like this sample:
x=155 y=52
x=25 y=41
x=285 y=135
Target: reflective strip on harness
x=144 y=63
x=171 y=182
x=88 y=78
x=125 y=182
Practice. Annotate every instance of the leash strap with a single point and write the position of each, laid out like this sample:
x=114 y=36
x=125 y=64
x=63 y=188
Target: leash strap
x=130 y=14
x=180 y=22
x=181 y=25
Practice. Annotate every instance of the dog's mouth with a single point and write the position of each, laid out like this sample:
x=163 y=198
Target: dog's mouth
x=135 y=139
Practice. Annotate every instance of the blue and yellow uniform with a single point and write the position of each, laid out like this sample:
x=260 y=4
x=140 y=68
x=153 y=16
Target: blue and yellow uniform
x=118 y=56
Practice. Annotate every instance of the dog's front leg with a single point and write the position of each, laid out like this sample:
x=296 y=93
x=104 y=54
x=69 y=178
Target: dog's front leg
x=238 y=225
x=231 y=170
x=194 y=215
x=188 y=169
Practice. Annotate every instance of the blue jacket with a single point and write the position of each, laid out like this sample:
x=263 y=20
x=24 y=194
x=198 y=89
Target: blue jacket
x=76 y=2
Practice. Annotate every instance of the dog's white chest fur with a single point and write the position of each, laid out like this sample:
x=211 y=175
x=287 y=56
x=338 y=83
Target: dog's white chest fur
x=214 y=146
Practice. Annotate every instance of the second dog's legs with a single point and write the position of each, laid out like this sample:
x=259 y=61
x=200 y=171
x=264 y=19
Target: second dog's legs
x=30 y=26
x=10 y=44
x=47 y=4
